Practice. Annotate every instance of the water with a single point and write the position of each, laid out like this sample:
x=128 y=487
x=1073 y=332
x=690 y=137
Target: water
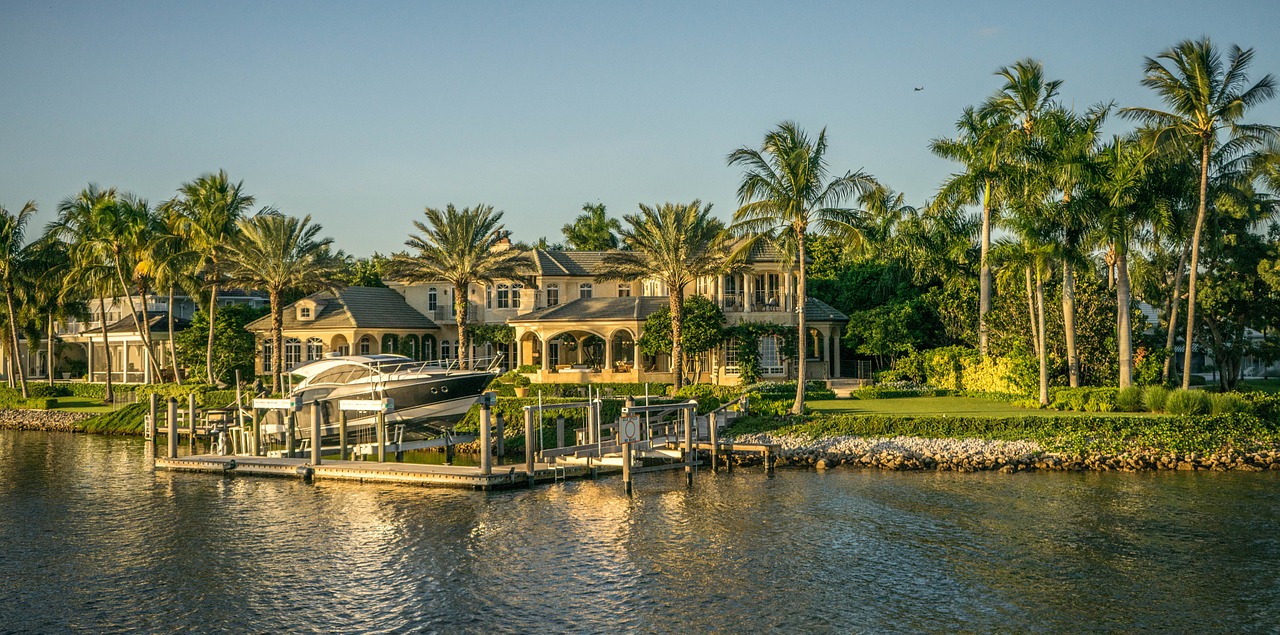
x=94 y=542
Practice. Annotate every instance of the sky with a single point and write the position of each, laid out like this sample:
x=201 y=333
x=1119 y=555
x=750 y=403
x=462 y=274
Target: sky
x=362 y=114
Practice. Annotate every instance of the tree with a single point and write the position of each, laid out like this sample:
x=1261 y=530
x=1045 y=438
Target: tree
x=785 y=196
x=234 y=347
x=208 y=210
x=76 y=226
x=981 y=149
x=14 y=258
x=593 y=230
x=675 y=244
x=276 y=253
x=1203 y=98
x=364 y=272
x=701 y=330
x=461 y=248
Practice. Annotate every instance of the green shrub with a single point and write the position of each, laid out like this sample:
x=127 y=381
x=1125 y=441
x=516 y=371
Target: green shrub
x=1084 y=399
x=45 y=390
x=528 y=368
x=1198 y=380
x=126 y=420
x=1265 y=405
x=98 y=391
x=1227 y=403
x=1130 y=399
x=1155 y=397
x=1187 y=402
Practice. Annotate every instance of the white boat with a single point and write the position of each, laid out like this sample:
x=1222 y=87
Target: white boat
x=428 y=396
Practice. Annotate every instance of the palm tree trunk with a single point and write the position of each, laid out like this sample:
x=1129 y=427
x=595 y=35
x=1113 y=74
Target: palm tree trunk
x=984 y=276
x=1173 y=316
x=13 y=332
x=798 y=407
x=1124 y=333
x=460 y=295
x=173 y=348
x=277 y=340
x=137 y=327
x=675 y=301
x=49 y=360
x=1044 y=345
x=1031 y=311
x=1069 y=322
x=1195 y=262
x=213 y=308
x=108 y=395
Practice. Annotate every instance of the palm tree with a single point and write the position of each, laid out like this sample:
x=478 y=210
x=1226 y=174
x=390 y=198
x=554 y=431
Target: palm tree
x=593 y=230
x=981 y=148
x=125 y=231
x=1204 y=99
x=209 y=209
x=1071 y=145
x=277 y=253
x=675 y=244
x=785 y=195
x=1032 y=252
x=171 y=264
x=49 y=295
x=462 y=248
x=14 y=255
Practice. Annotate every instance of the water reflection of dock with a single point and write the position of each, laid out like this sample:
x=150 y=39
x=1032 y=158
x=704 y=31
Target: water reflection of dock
x=463 y=476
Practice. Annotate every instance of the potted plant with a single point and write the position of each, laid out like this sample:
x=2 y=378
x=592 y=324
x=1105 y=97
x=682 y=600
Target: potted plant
x=520 y=384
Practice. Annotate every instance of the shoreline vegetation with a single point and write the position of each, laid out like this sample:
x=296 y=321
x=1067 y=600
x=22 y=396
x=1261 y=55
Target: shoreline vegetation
x=896 y=428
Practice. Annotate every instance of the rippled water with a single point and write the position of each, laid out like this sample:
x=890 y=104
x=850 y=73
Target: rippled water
x=93 y=541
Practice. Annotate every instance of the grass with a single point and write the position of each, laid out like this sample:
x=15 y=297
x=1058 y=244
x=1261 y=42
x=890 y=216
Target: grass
x=943 y=406
x=84 y=404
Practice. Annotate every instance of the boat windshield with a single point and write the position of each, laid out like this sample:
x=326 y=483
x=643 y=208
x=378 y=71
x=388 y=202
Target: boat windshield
x=355 y=370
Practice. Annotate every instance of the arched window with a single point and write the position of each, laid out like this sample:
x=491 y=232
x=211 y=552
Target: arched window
x=584 y=290
x=515 y=295
x=433 y=299
x=292 y=352
x=428 y=347
x=409 y=346
x=315 y=349
x=553 y=295
x=624 y=290
x=445 y=349
x=366 y=345
x=504 y=296
x=390 y=343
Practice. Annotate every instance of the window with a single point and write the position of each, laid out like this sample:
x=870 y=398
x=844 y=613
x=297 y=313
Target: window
x=366 y=344
x=584 y=290
x=304 y=313
x=553 y=294
x=770 y=356
x=292 y=352
x=504 y=296
x=267 y=359
x=444 y=349
x=515 y=295
x=315 y=349
x=488 y=297
x=624 y=290
x=731 y=357
x=432 y=299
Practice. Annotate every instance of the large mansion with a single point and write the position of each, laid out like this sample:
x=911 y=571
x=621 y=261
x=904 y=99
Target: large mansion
x=568 y=324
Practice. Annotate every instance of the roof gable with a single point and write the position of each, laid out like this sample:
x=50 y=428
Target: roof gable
x=352 y=307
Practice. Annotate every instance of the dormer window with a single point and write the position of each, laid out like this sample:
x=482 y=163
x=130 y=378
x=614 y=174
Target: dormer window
x=304 y=313
x=308 y=309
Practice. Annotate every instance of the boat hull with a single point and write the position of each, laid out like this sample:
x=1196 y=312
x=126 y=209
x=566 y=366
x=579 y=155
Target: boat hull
x=423 y=404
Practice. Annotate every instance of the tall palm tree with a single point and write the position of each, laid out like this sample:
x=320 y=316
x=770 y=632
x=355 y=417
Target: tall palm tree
x=51 y=298
x=277 y=253
x=209 y=209
x=76 y=226
x=172 y=264
x=14 y=257
x=675 y=244
x=981 y=148
x=462 y=248
x=125 y=231
x=1070 y=142
x=1204 y=99
x=592 y=230
x=786 y=194
x=1032 y=252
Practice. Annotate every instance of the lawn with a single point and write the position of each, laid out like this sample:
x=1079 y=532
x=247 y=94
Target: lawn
x=938 y=406
x=84 y=404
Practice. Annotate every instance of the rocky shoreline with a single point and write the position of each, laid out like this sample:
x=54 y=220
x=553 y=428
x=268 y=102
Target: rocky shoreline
x=971 y=455
x=45 y=420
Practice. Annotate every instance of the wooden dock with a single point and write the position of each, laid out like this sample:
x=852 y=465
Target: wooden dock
x=461 y=476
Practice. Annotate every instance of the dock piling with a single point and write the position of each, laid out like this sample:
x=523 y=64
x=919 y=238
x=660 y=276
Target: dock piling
x=382 y=437
x=315 y=433
x=342 y=435
x=528 y=443
x=690 y=419
x=289 y=422
x=171 y=426
x=501 y=423
x=486 y=459
x=153 y=411
x=191 y=420
x=559 y=431
x=715 y=447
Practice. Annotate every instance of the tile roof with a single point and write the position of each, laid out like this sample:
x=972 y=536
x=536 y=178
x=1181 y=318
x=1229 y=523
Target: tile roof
x=818 y=311
x=157 y=322
x=586 y=309
x=569 y=263
x=353 y=307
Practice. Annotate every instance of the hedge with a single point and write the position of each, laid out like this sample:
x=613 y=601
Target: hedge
x=1076 y=434
x=126 y=420
x=11 y=398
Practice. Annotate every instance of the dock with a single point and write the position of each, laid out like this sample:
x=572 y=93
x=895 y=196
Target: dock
x=458 y=476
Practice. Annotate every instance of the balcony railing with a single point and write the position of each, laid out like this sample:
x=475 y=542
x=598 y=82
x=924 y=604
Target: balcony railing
x=734 y=302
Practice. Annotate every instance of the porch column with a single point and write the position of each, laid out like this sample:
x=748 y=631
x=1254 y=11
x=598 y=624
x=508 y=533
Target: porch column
x=124 y=362
x=637 y=356
x=546 y=352
x=146 y=372
x=720 y=291
x=89 y=348
x=608 y=353
x=748 y=286
x=788 y=288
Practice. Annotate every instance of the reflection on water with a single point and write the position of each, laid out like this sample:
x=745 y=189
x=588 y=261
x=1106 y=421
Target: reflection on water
x=93 y=541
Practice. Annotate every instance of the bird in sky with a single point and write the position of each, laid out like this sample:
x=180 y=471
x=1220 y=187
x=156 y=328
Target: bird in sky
x=919 y=88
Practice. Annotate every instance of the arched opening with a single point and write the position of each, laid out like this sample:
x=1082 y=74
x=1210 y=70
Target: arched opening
x=340 y=345
x=428 y=347
x=292 y=353
x=409 y=347
x=446 y=352
x=366 y=345
x=815 y=345
x=315 y=349
x=624 y=351
x=390 y=343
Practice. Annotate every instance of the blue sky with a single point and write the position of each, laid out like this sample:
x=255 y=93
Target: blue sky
x=362 y=114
